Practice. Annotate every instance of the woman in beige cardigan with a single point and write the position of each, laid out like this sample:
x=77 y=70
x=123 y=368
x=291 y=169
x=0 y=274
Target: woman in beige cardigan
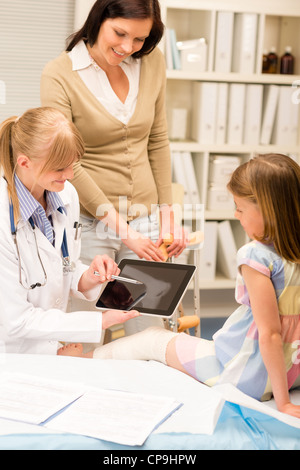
x=111 y=83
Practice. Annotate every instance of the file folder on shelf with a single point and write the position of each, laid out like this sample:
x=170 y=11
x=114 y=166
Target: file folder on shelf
x=221 y=114
x=226 y=250
x=184 y=174
x=175 y=51
x=286 y=121
x=270 y=101
x=168 y=50
x=237 y=92
x=205 y=95
x=190 y=177
x=179 y=174
x=208 y=258
x=224 y=36
x=244 y=42
x=253 y=114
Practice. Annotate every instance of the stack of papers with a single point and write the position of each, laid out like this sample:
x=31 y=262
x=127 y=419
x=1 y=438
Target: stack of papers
x=32 y=399
x=116 y=416
x=123 y=417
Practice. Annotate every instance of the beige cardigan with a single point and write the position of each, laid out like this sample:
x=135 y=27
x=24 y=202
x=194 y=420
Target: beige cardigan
x=129 y=161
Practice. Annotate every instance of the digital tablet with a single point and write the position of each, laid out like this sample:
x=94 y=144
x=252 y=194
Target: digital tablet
x=161 y=290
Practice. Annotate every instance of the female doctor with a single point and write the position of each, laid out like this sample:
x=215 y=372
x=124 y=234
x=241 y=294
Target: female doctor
x=40 y=239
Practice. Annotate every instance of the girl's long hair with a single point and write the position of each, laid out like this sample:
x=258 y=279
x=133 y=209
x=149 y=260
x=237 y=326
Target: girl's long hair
x=130 y=9
x=272 y=181
x=39 y=133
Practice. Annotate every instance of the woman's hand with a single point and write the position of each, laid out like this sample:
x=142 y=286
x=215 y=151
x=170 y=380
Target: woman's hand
x=114 y=317
x=177 y=233
x=142 y=246
x=104 y=266
x=178 y=241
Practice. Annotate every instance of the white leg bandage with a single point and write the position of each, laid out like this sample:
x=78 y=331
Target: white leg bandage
x=146 y=345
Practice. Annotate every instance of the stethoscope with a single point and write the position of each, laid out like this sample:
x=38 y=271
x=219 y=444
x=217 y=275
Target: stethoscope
x=67 y=265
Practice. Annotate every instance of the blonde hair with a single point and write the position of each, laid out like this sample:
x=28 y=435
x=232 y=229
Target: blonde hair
x=39 y=133
x=272 y=181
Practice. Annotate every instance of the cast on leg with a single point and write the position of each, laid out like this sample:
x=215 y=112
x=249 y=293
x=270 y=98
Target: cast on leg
x=145 y=345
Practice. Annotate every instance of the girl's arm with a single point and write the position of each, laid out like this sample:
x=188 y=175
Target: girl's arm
x=266 y=316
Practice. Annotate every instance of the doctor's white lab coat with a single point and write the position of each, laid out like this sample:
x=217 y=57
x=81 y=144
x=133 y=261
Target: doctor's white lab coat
x=34 y=321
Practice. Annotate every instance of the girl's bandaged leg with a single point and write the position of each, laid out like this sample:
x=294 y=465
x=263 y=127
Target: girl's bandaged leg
x=146 y=345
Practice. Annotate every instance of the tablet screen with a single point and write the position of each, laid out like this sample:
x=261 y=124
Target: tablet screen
x=163 y=285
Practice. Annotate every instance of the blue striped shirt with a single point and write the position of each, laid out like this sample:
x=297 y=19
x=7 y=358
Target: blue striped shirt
x=30 y=207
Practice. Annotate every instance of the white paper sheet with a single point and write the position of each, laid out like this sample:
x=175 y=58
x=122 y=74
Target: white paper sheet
x=33 y=399
x=121 y=417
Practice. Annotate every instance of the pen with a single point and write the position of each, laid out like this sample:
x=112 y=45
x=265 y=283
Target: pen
x=120 y=278
x=77 y=226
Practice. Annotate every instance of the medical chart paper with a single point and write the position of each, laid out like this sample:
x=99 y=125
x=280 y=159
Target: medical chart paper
x=116 y=416
x=33 y=399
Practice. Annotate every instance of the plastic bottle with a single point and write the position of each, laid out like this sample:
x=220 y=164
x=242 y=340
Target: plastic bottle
x=273 y=60
x=265 y=62
x=287 y=61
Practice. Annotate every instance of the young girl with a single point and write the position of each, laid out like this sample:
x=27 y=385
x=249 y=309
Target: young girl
x=40 y=238
x=257 y=350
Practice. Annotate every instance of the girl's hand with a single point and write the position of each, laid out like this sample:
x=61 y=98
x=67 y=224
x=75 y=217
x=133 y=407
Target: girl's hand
x=290 y=409
x=105 y=266
x=114 y=317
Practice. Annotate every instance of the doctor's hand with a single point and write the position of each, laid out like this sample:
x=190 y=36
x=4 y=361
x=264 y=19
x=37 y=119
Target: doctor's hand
x=104 y=266
x=114 y=317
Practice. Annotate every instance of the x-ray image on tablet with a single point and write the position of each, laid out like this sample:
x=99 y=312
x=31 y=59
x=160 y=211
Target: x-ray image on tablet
x=161 y=287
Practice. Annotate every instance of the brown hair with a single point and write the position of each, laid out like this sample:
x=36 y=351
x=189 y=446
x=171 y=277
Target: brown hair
x=131 y=9
x=272 y=181
x=38 y=133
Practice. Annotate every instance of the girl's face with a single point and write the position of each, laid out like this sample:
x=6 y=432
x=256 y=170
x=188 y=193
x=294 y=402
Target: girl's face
x=250 y=217
x=119 y=38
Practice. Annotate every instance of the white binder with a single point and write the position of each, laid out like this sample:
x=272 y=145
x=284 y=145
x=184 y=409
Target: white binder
x=270 y=102
x=179 y=174
x=168 y=50
x=294 y=122
x=177 y=119
x=175 y=51
x=226 y=250
x=244 y=42
x=286 y=121
x=224 y=35
x=190 y=177
x=208 y=257
x=253 y=114
x=237 y=92
x=221 y=114
x=205 y=95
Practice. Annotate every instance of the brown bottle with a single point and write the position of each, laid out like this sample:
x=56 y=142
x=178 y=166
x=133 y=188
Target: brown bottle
x=273 y=60
x=265 y=63
x=287 y=62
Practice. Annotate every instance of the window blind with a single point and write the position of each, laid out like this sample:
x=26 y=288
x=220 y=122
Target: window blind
x=32 y=32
